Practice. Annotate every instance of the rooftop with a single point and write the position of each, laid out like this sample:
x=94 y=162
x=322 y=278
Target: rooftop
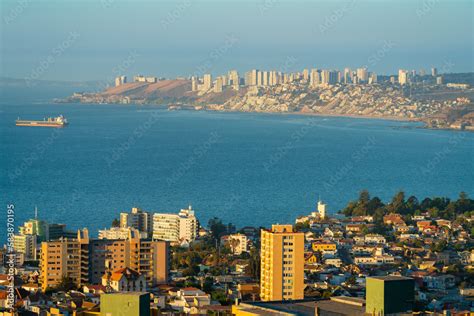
x=340 y=305
x=390 y=278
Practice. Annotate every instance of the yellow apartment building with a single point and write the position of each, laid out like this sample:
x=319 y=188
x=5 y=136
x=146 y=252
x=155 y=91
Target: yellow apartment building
x=282 y=264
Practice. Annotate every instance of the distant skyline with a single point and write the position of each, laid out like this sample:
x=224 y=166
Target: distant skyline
x=94 y=40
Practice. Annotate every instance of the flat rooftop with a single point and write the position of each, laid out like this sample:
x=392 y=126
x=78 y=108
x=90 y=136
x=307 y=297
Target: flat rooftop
x=340 y=305
x=390 y=278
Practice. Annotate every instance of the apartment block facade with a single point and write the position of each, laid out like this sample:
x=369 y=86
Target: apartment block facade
x=84 y=260
x=282 y=264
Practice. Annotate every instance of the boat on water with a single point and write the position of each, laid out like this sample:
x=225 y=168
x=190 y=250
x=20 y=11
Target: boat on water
x=59 y=121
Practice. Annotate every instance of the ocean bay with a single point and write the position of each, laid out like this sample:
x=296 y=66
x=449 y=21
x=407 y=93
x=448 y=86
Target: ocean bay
x=246 y=168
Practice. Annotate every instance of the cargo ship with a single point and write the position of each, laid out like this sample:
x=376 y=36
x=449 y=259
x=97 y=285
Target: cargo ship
x=59 y=121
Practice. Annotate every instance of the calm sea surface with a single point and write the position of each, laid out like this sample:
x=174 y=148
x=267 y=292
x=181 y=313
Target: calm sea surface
x=249 y=169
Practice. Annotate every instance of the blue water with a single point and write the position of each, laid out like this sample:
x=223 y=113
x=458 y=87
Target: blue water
x=249 y=169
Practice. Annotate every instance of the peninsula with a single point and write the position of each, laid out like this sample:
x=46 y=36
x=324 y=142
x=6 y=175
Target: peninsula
x=438 y=100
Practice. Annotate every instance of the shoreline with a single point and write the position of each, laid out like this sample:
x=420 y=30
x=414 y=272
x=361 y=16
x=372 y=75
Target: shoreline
x=329 y=115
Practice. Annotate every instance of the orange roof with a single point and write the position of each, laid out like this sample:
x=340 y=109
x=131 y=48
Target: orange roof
x=189 y=289
x=127 y=272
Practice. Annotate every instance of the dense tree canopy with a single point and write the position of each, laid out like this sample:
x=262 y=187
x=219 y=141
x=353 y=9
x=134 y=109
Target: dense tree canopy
x=437 y=207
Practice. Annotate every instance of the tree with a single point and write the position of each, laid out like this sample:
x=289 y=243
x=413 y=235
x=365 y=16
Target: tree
x=464 y=204
x=398 y=203
x=66 y=284
x=374 y=204
x=378 y=215
x=233 y=244
x=254 y=263
x=115 y=223
x=302 y=226
x=217 y=228
x=412 y=204
x=364 y=197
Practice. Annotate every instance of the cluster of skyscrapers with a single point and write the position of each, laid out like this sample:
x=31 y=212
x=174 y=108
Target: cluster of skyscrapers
x=264 y=78
x=406 y=76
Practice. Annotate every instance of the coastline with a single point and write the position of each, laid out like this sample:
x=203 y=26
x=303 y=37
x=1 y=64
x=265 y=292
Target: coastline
x=354 y=116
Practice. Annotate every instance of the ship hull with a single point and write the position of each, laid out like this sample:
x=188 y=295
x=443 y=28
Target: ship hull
x=40 y=124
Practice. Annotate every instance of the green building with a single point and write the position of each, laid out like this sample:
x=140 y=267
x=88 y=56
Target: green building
x=389 y=294
x=125 y=304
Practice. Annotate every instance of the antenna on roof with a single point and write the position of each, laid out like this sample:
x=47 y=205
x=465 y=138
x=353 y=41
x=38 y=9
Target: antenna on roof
x=36 y=212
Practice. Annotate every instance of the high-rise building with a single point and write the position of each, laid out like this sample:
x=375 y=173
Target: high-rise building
x=26 y=245
x=282 y=264
x=259 y=78
x=248 y=78
x=207 y=82
x=225 y=80
x=373 y=78
x=273 y=78
x=403 y=77
x=194 y=84
x=218 y=85
x=138 y=219
x=362 y=75
x=434 y=72
x=329 y=76
x=120 y=80
x=85 y=261
x=35 y=227
x=265 y=78
x=65 y=258
x=314 y=78
x=148 y=257
x=306 y=75
x=233 y=78
x=253 y=77
x=439 y=80
x=322 y=209
x=35 y=231
x=347 y=77
x=176 y=228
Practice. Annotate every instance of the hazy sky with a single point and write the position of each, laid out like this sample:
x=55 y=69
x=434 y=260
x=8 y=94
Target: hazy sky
x=89 y=40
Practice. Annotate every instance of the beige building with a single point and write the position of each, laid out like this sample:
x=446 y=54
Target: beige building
x=85 y=260
x=362 y=74
x=207 y=82
x=65 y=257
x=282 y=264
x=137 y=219
x=121 y=233
x=218 y=85
x=403 y=77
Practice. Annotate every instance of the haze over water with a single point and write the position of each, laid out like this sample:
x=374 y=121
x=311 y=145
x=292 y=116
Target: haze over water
x=249 y=169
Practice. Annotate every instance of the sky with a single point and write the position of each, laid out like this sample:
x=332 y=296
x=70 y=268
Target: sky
x=96 y=40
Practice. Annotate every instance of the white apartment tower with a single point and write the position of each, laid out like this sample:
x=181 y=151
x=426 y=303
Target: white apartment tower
x=402 y=76
x=207 y=82
x=137 y=219
x=321 y=209
x=314 y=78
x=176 y=228
x=218 y=85
x=362 y=74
